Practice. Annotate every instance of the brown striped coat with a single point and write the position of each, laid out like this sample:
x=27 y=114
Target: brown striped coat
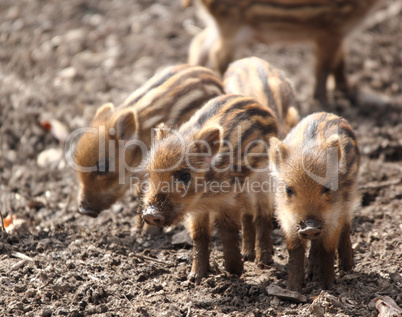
x=208 y=161
x=324 y=23
x=256 y=78
x=121 y=136
x=316 y=170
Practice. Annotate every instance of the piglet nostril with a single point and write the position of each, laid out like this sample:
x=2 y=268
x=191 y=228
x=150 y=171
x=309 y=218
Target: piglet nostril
x=157 y=221
x=146 y=221
x=310 y=233
x=154 y=220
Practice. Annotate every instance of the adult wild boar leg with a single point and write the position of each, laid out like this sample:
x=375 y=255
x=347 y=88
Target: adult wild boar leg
x=339 y=72
x=345 y=251
x=329 y=56
x=228 y=225
x=200 y=233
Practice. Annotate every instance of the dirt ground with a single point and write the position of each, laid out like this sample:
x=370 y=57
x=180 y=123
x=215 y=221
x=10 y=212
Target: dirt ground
x=60 y=60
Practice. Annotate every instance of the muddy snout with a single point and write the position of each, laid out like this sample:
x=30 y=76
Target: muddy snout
x=152 y=217
x=310 y=229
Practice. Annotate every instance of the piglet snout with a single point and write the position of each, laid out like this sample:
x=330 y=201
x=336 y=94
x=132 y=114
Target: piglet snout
x=84 y=209
x=152 y=217
x=310 y=229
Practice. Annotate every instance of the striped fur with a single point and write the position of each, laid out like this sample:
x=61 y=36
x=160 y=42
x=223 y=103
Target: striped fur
x=231 y=136
x=171 y=96
x=256 y=78
x=316 y=170
x=325 y=23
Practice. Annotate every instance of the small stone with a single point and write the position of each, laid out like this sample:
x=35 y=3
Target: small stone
x=70 y=265
x=20 y=288
x=275 y=290
x=49 y=158
x=46 y=312
x=69 y=72
x=182 y=238
x=31 y=292
x=275 y=301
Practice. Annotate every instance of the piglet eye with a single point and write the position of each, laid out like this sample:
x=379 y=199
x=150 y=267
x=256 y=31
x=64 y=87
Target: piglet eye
x=183 y=176
x=290 y=191
x=102 y=167
x=326 y=190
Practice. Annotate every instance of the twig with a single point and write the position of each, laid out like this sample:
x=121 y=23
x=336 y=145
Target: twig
x=67 y=203
x=1 y=214
x=382 y=184
x=143 y=257
x=129 y=301
x=3 y=228
x=21 y=256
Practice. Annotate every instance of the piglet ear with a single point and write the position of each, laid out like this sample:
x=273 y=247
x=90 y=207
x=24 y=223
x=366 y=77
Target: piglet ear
x=334 y=150
x=125 y=124
x=278 y=152
x=106 y=109
x=161 y=132
x=333 y=143
x=212 y=137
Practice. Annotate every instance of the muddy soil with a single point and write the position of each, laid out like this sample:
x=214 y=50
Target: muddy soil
x=60 y=60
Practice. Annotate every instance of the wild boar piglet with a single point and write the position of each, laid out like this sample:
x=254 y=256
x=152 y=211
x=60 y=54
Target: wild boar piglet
x=316 y=173
x=254 y=77
x=202 y=173
x=107 y=156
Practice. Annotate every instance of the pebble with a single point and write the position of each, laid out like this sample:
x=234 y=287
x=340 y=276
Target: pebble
x=31 y=292
x=46 y=312
x=50 y=158
x=20 y=288
x=68 y=72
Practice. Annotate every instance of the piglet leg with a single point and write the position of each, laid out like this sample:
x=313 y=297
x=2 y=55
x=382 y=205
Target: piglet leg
x=200 y=233
x=296 y=268
x=345 y=250
x=228 y=225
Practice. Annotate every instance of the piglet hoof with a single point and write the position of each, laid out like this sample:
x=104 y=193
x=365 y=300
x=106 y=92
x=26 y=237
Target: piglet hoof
x=262 y=266
x=296 y=287
x=326 y=284
x=346 y=265
x=235 y=267
x=265 y=261
x=310 y=276
x=248 y=257
x=196 y=278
